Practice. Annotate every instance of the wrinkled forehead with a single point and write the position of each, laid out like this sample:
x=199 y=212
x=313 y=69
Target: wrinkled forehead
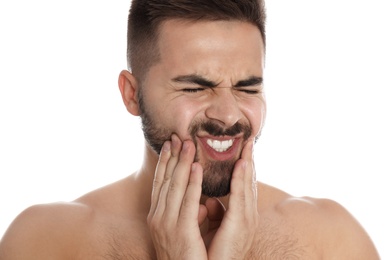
x=210 y=47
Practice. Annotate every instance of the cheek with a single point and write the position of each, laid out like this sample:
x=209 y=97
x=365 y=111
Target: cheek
x=255 y=112
x=182 y=114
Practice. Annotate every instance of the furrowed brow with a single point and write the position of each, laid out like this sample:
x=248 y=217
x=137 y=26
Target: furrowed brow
x=252 y=81
x=195 y=79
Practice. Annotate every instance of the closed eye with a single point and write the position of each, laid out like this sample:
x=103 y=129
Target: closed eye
x=251 y=86
x=250 y=91
x=192 y=90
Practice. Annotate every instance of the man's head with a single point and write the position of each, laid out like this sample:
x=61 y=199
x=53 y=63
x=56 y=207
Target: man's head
x=198 y=75
x=146 y=16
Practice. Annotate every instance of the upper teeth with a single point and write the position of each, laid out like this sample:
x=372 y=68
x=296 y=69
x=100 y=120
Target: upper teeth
x=220 y=146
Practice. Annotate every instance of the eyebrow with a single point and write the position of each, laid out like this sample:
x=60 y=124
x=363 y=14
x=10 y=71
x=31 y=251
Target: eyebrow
x=252 y=81
x=195 y=79
x=201 y=81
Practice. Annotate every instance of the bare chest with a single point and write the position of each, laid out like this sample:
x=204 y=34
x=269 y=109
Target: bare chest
x=133 y=242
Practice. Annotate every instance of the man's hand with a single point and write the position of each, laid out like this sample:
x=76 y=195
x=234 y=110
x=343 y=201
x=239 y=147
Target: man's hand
x=235 y=235
x=173 y=216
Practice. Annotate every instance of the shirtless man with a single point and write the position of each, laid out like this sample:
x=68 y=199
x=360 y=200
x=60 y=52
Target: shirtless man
x=196 y=81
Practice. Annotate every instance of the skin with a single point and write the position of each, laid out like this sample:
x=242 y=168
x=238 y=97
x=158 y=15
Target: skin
x=159 y=212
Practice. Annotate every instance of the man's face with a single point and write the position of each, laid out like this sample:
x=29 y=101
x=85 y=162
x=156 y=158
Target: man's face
x=206 y=87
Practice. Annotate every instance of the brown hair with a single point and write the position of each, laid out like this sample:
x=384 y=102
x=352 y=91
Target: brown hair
x=146 y=15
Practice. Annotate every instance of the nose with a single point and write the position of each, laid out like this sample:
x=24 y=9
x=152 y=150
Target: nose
x=224 y=107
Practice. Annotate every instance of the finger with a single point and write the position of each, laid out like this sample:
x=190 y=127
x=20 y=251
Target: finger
x=159 y=175
x=237 y=187
x=191 y=200
x=175 y=152
x=180 y=179
x=168 y=172
x=247 y=151
x=251 y=180
x=250 y=173
x=241 y=191
x=202 y=220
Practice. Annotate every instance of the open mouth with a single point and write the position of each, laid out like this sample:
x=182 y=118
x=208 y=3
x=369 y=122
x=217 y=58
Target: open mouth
x=220 y=148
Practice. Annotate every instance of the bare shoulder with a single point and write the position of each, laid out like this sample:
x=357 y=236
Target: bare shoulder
x=83 y=229
x=45 y=232
x=324 y=223
x=344 y=237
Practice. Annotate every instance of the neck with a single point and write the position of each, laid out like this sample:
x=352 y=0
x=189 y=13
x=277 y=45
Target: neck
x=148 y=167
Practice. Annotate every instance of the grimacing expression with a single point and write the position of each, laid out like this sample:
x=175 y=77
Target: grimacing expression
x=217 y=174
x=206 y=87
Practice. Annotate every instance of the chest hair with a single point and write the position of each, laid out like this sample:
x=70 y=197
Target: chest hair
x=273 y=242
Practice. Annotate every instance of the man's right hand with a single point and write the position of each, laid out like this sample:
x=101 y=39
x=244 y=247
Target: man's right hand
x=175 y=209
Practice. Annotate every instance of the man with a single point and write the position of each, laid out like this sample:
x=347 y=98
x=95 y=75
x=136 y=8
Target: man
x=196 y=81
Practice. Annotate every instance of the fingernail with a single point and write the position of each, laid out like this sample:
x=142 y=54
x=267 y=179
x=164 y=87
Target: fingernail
x=167 y=146
x=175 y=140
x=193 y=167
x=186 y=145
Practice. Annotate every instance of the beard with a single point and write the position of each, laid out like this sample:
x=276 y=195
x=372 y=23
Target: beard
x=217 y=175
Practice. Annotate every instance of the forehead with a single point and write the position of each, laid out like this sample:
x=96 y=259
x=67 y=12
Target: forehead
x=210 y=44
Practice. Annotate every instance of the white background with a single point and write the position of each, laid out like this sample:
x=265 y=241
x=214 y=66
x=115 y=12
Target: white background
x=64 y=130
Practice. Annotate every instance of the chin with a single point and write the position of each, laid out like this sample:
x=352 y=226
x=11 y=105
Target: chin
x=217 y=176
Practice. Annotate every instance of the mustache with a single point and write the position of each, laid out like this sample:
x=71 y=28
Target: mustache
x=216 y=130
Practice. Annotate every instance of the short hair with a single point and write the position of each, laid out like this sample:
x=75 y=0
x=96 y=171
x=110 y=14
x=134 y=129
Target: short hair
x=145 y=17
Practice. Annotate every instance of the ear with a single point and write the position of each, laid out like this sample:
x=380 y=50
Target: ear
x=128 y=87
